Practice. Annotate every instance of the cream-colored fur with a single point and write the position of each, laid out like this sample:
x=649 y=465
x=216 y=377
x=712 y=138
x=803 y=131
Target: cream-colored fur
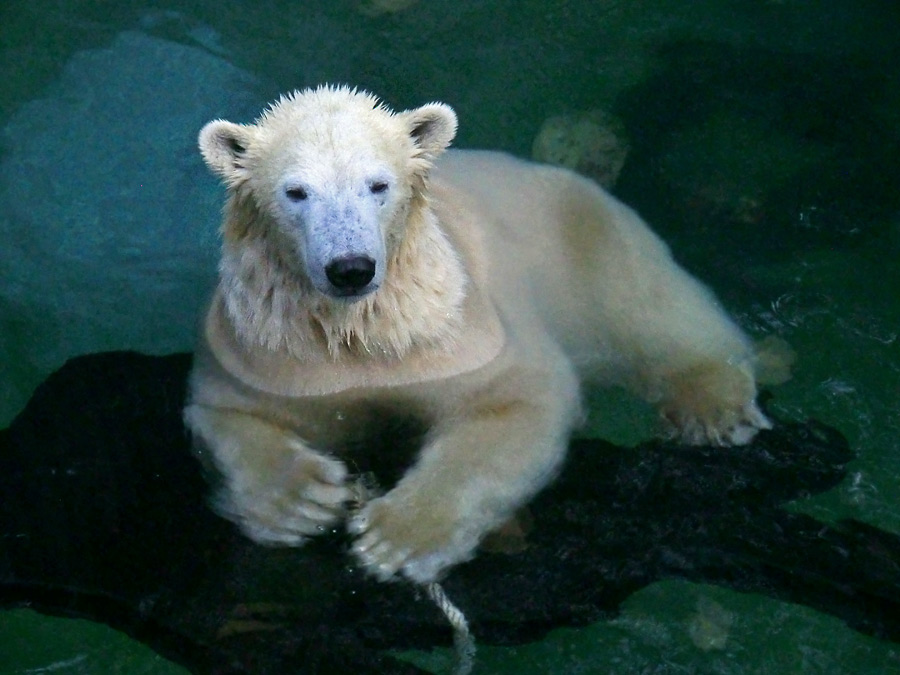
x=482 y=290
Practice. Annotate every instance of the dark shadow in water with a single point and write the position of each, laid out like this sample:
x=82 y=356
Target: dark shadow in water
x=103 y=516
x=803 y=150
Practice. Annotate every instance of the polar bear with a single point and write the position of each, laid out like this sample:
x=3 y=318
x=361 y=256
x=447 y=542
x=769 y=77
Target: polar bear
x=366 y=272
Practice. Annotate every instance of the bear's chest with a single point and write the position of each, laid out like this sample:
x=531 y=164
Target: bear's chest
x=371 y=434
x=319 y=374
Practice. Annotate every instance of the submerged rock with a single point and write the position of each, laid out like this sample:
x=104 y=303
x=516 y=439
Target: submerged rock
x=593 y=143
x=104 y=516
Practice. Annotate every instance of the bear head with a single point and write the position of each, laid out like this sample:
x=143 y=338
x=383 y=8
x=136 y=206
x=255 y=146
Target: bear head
x=331 y=173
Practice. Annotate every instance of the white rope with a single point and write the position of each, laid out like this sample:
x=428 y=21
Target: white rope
x=462 y=638
x=365 y=487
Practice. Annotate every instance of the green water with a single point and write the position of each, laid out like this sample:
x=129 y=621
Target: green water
x=765 y=137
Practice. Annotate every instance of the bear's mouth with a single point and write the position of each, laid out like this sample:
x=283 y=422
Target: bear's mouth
x=352 y=294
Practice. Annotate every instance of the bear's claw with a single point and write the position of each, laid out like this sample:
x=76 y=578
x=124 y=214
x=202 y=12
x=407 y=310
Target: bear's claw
x=308 y=499
x=394 y=537
x=726 y=429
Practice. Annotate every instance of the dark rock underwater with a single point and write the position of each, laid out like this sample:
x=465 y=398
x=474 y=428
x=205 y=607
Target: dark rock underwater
x=103 y=516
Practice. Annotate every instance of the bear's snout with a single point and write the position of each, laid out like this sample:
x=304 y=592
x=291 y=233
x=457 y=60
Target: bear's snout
x=350 y=275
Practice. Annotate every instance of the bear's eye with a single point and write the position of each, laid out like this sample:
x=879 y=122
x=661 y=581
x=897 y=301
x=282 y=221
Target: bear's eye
x=296 y=194
x=378 y=186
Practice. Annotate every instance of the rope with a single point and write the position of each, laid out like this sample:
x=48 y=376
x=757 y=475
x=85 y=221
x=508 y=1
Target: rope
x=364 y=488
x=462 y=638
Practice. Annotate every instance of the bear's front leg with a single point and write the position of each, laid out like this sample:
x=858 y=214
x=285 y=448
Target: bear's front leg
x=487 y=458
x=275 y=488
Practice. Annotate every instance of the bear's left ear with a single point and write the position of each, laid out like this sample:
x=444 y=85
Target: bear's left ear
x=224 y=146
x=432 y=128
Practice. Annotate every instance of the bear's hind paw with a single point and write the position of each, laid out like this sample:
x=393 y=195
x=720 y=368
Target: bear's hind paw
x=726 y=429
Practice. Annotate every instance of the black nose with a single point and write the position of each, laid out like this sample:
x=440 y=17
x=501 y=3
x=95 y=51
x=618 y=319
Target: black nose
x=351 y=274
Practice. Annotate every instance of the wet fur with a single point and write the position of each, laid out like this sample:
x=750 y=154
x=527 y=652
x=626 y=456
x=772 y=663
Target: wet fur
x=506 y=285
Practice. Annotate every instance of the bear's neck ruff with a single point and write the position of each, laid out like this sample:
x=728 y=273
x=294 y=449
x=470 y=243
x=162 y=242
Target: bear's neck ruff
x=270 y=305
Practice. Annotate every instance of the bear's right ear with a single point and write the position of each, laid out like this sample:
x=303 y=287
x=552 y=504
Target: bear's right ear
x=224 y=147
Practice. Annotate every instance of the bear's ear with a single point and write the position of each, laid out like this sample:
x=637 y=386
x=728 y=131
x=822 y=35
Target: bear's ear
x=224 y=146
x=432 y=128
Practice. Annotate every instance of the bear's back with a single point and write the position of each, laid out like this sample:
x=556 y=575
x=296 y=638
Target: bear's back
x=553 y=240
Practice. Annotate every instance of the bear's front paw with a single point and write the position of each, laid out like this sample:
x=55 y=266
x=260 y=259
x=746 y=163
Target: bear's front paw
x=284 y=509
x=410 y=535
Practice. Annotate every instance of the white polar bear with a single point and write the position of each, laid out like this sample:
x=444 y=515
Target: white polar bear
x=363 y=275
